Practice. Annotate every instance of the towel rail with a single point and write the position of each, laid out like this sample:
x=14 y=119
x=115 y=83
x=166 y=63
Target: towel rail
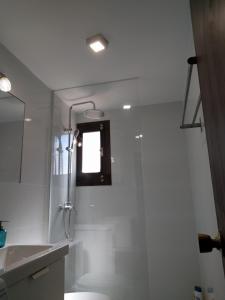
x=191 y=62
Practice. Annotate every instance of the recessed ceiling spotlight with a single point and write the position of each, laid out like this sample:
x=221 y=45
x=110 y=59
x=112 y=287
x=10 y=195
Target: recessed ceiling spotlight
x=5 y=84
x=127 y=106
x=97 y=43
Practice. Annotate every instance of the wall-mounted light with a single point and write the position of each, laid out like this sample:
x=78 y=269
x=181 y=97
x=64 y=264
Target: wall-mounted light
x=97 y=43
x=5 y=84
x=127 y=107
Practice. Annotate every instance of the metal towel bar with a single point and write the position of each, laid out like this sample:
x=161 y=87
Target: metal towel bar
x=191 y=61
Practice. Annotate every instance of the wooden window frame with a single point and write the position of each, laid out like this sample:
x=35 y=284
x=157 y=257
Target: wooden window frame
x=104 y=177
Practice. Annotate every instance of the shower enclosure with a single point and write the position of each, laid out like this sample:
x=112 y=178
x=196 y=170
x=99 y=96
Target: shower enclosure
x=120 y=234
x=107 y=241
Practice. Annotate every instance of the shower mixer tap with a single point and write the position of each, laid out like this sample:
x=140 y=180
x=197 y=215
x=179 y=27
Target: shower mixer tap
x=70 y=149
x=66 y=206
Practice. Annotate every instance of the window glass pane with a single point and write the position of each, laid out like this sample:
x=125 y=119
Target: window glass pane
x=91 y=156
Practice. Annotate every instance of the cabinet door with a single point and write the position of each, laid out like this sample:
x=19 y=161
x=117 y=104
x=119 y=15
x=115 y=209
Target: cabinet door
x=208 y=20
x=49 y=286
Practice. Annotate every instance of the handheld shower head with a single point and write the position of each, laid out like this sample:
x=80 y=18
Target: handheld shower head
x=76 y=133
x=74 y=140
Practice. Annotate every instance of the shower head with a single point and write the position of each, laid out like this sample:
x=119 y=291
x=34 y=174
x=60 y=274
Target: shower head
x=94 y=113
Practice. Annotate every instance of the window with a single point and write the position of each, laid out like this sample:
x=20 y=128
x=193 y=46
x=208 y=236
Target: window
x=91 y=155
x=94 y=154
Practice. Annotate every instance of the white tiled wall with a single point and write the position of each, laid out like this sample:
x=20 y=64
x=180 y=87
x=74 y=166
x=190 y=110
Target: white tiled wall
x=26 y=205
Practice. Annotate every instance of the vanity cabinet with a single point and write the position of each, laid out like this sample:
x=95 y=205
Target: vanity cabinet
x=33 y=272
x=45 y=284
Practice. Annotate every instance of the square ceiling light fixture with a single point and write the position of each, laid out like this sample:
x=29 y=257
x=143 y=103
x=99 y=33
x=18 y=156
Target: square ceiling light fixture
x=97 y=43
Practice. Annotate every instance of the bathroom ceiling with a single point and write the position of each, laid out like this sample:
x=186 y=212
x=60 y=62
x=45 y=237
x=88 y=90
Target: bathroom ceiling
x=148 y=39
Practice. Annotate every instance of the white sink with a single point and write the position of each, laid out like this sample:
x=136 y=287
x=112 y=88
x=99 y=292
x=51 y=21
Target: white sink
x=14 y=255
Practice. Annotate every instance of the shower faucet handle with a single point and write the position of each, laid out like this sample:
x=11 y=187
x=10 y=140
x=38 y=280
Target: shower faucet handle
x=66 y=206
x=69 y=149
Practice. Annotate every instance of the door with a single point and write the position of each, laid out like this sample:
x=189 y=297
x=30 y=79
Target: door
x=208 y=21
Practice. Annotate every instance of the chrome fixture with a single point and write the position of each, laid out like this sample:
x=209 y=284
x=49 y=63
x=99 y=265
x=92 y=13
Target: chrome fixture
x=91 y=114
x=140 y=136
x=95 y=114
x=74 y=140
x=191 y=62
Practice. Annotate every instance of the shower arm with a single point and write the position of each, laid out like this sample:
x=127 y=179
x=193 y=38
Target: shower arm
x=77 y=104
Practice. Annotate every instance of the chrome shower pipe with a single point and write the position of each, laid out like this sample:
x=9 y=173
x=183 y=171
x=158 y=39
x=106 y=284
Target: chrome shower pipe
x=76 y=104
x=68 y=204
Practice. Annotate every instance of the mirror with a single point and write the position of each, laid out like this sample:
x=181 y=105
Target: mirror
x=12 y=111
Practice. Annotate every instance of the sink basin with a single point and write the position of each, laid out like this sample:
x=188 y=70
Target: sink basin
x=13 y=255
